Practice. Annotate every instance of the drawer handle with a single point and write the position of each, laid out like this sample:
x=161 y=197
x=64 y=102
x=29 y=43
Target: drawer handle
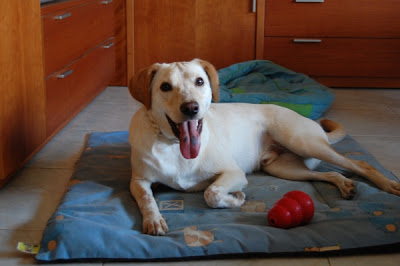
x=106 y=2
x=310 y=1
x=64 y=74
x=254 y=9
x=63 y=16
x=109 y=45
x=307 y=40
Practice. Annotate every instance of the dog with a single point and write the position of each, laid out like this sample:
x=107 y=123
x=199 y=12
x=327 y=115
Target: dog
x=181 y=139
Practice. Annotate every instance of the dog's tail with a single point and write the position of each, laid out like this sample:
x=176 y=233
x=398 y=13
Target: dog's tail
x=334 y=131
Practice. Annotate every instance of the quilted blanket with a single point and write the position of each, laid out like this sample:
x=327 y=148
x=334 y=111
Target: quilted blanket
x=98 y=219
x=262 y=81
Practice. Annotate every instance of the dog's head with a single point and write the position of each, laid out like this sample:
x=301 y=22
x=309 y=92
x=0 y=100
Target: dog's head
x=178 y=95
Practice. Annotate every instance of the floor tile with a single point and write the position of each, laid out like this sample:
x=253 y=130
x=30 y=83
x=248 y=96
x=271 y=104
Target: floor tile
x=366 y=122
x=395 y=108
x=58 y=154
x=365 y=98
x=116 y=95
x=9 y=256
x=30 y=198
x=8 y=243
x=367 y=260
x=104 y=117
x=242 y=262
x=386 y=151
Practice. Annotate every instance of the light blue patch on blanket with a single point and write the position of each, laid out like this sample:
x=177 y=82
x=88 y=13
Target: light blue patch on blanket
x=99 y=219
x=262 y=81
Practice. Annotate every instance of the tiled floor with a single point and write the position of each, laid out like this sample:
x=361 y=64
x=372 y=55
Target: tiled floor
x=370 y=116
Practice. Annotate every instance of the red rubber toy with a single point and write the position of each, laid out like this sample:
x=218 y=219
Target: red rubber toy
x=293 y=209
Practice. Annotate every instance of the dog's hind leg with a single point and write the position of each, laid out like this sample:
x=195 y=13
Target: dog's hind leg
x=225 y=191
x=293 y=167
x=323 y=151
x=381 y=181
x=317 y=147
x=363 y=169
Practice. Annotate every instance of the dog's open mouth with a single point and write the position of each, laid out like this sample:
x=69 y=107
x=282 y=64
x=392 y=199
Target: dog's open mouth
x=188 y=133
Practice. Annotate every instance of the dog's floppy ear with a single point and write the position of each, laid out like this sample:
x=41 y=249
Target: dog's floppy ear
x=139 y=85
x=212 y=76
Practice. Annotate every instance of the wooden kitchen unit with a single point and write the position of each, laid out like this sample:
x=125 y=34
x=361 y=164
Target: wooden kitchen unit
x=62 y=58
x=79 y=52
x=223 y=32
x=22 y=101
x=339 y=43
x=58 y=56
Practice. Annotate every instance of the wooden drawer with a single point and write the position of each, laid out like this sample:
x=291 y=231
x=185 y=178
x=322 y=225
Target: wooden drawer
x=333 y=18
x=335 y=57
x=71 y=32
x=66 y=96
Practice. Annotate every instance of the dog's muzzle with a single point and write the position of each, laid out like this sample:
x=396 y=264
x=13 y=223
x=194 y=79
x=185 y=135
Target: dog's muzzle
x=188 y=133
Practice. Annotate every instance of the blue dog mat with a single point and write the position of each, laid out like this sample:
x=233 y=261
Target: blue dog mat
x=98 y=219
x=262 y=81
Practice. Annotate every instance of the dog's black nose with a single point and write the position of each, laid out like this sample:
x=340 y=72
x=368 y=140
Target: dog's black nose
x=190 y=108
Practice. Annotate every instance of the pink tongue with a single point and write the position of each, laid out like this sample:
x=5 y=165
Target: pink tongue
x=189 y=139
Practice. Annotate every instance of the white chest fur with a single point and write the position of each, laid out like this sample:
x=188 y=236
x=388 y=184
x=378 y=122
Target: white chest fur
x=159 y=159
x=169 y=167
x=227 y=142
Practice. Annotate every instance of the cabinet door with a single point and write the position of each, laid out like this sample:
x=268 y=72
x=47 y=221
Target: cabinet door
x=80 y=83
x=164 y=31
x=222 y=32
x=225 y=31
x=339 y=18
x=22 y=101
x=71 y=32
x=358 y=57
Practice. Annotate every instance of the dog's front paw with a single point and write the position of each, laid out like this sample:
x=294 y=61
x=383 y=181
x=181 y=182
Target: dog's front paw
x=217 y=197
x=240 y=196
x=155 y=225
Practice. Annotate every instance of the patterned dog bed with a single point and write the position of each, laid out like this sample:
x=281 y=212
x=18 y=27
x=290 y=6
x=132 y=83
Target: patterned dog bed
x=262 y=81
x=98 y=219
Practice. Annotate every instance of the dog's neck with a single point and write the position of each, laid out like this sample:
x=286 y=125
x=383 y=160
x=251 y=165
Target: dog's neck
x=153 y=122
x=157 y=129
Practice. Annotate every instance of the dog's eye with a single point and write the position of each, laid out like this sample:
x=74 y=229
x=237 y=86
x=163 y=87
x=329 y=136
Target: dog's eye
x=166 y=87
x=199 y=82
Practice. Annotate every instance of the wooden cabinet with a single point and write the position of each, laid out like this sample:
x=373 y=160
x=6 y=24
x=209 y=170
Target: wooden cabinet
x=79 y=52
x=357 y=57
x=338 y=18
x=223 y=32
x=339 y=43
x=73 y=31
x=22 y=101
x=67 y=96
x=55 y=59
x=120 y=77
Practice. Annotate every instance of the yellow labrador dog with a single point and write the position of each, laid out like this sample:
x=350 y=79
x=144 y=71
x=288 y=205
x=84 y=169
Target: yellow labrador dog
x=182 y=140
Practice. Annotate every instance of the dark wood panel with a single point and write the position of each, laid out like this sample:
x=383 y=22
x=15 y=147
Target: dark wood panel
x=222 y=32
x=120 y=78
x=225 y=31
x=337 y=57
x=338 y=18
x=67 y=39
x=90 y=74
x=164 y=31
x=56 y=6
x=22 y=101
x=356 y=82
